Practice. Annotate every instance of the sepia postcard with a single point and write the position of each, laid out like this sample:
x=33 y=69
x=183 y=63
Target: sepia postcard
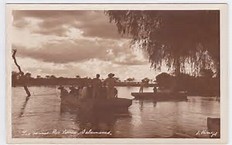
x=117 y=73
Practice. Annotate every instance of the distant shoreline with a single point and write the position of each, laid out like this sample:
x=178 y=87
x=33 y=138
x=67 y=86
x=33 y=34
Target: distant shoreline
x=117 y=85
x=211 y=93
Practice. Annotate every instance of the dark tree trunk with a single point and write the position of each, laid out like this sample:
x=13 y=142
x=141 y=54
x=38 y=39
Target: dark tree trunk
x=27 y=90
x=21 y=73
x=177 y=67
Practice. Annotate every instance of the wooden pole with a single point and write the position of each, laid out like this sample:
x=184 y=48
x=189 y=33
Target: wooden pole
x=21 y=73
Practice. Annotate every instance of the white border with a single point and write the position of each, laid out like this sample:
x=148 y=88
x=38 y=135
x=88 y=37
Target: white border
x=224 y=68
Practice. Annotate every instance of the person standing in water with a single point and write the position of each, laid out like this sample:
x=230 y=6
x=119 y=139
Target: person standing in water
x=96 y=84
x=154 y=89
x=110 y=84
x=141 y=87
x=63 y=91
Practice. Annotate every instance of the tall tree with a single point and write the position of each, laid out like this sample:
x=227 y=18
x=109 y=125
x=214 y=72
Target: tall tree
x=174 y=38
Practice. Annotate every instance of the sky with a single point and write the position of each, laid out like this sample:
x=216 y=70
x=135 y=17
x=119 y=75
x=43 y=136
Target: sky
x=70 y=43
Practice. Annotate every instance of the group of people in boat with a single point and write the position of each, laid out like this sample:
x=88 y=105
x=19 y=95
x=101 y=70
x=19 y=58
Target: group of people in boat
x=96 y=88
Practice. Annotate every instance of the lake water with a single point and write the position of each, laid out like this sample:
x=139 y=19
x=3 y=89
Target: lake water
x=41 y=116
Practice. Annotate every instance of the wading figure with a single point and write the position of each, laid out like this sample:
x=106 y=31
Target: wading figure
x=73 y=91
x=141 y=87
x=63 y=91
x=154 y=89
x=96 y=83
x=110 y=83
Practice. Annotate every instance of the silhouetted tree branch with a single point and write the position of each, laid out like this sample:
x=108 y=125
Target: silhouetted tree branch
x=21 y=73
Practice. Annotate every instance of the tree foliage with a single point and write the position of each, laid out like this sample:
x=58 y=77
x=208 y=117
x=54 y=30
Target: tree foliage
x=174 y=38
x=164 y=80
x=207 y=73
x=130 y=79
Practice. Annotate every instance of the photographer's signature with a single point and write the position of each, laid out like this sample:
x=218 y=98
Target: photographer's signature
x=206 y=132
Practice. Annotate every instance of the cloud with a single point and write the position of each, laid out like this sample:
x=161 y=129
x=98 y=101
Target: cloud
x=53 y=22
x=130 y=61
x=69 y=43
x=20 y=23
x=64 y=52
x=118 y=52
x=85 y=69
x=36 y=67
x=71 y=36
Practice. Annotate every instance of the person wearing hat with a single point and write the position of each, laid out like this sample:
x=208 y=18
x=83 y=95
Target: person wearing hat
x=110 y=84
x=73 y=91
x=96 y=84
x=63 y=91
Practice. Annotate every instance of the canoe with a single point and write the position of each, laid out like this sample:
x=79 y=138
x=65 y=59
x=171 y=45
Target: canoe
x=96 y=104
x=161 y=96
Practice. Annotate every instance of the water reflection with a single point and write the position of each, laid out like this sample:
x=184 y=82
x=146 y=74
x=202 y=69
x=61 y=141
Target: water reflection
x=24 y=106
x=144 y=119
x=141 y=103
x=154 y=103
x=96 y=121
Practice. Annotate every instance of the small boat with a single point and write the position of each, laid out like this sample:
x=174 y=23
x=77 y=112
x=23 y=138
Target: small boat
x=161 y=96
x=95 y=104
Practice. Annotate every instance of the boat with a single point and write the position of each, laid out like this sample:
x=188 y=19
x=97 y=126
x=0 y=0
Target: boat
x=95 y=104
x=161 y=96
